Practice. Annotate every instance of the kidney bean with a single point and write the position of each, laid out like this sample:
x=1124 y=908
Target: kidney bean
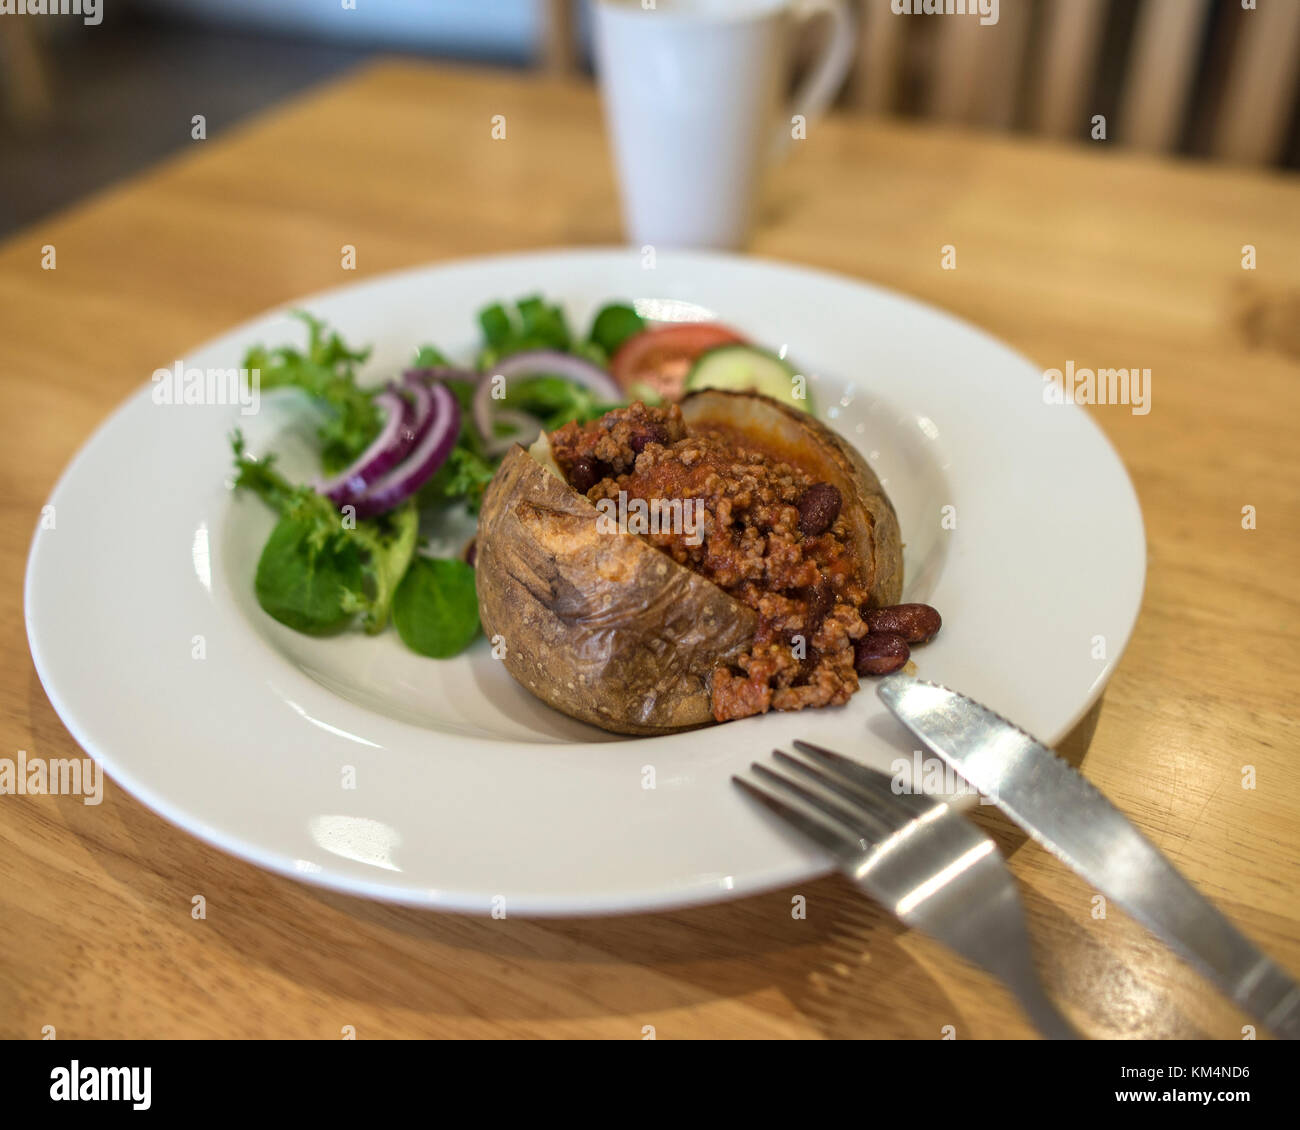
x=916 y=623
x=880 y=653
x=585 y=473
x=653 y=433
x=821 y=600
x=819 y=506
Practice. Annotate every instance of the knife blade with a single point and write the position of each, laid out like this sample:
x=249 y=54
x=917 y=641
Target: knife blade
x=1064 y=811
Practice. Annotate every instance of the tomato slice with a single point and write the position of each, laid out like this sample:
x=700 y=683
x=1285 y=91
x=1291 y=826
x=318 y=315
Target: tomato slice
x=661 y=356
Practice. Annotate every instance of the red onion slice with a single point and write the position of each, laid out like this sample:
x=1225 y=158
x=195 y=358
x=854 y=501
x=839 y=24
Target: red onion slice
x=422 y=407
x=523 y=428
x=425 y=458
x=386 y=451
x=532 y=363
x=481 y=409
x=553 y=363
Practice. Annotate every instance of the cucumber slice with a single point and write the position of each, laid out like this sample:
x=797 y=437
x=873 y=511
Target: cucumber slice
x=742 y=368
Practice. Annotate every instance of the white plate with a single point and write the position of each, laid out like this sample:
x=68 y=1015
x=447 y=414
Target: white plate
x=466 y=788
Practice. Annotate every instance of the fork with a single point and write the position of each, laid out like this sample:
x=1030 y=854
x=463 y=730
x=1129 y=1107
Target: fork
x=918 y=857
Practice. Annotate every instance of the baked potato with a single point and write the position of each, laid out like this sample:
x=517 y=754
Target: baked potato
x=611 y=629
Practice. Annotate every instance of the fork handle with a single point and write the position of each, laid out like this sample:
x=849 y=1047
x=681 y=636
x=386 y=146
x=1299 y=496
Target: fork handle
x=1004 y=950
x=1046 y=1017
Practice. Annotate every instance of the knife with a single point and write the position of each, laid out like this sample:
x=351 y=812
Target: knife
x=1065 y=813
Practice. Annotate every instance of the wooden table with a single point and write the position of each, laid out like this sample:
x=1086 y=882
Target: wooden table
x=1066 y=252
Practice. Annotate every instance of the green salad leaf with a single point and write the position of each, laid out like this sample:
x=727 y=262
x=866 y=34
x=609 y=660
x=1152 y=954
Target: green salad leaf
x=427 y=357
x=326 y=372
x=436 y=608
x=387 y=548
x=555 y=401
x=319 y=569
x=463 y=477
x=533 y=324
x=303 y=581
x=496 y=324
x=613 y=325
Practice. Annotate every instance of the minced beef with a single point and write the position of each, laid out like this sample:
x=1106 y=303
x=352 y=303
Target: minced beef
x=804 y=588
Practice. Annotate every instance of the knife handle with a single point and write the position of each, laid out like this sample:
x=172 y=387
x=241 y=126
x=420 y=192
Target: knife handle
x=1267 y=992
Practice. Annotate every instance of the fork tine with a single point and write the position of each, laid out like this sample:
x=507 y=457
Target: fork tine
x=865 y=830
x=871 y=784
x=838 y=843
x=885 y=816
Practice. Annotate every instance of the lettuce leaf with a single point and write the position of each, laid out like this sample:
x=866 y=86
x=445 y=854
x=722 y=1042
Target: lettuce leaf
x=320 y=569
x=326 y=372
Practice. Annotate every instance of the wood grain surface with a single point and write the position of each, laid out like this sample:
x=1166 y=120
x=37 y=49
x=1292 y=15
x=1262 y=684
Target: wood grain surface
x=1064 y=251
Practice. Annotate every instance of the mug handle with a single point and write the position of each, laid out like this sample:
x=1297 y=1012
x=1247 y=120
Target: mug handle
x=823 y=82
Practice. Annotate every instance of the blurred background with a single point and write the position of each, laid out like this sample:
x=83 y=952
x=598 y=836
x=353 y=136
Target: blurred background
x=82 y=106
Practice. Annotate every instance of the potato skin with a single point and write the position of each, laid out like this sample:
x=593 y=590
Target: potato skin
x=609 y=630
x=601 y=626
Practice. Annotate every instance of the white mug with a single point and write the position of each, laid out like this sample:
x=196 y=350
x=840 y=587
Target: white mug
x=692 y=92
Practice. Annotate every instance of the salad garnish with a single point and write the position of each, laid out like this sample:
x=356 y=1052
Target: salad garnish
x=403 y=459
